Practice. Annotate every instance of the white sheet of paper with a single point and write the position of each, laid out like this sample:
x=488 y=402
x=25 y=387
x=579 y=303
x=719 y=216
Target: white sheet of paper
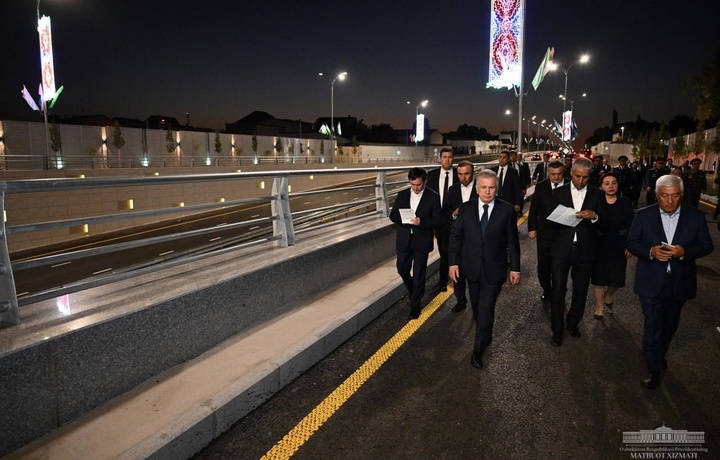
x=406 y=215
x=565 y=216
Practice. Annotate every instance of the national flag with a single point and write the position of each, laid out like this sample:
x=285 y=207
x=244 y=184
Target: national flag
x=42 y=99
x=325 y=130
x=575 y=131
x=28 y=98
x=544 y=68
x=339 y=131
x=55 y=97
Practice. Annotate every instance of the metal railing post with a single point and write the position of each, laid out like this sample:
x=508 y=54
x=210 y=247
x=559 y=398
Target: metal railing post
x=280 y=208
x=9 y=314
x=383 y=205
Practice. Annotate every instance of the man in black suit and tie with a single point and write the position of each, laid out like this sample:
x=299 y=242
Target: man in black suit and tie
x=573 y=248
x=440 y=180
x=508 y=182
x=666 y=238
x=541 y=170
x=540 y=229
x=414 y=240
x=459 y=193
x=483 y=235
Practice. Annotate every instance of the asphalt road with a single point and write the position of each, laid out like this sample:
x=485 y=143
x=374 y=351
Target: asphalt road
x=531 y=401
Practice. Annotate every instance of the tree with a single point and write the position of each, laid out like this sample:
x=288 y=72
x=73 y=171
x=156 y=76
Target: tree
x=680 y=146
x=118 y=141
x=699 y=144
x=705 y=90
x=254 y=143
x=278 y=146
x=169 y=141
x=218 y=143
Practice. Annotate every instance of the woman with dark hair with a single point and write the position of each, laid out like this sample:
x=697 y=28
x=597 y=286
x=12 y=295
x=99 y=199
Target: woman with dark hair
x=611 y=259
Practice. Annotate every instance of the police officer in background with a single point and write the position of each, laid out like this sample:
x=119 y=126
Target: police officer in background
x=624 y=177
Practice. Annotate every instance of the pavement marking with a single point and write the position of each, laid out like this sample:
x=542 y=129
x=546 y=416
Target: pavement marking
x=301 y=433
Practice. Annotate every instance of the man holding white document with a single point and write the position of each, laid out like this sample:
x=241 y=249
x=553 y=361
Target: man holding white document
x=578 y=209
x=417 y=212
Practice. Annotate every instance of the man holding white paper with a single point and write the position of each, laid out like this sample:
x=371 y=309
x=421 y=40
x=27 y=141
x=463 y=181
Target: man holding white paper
x=573 y=246
x=417 y=212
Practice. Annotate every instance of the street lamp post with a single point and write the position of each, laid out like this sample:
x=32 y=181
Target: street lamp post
x=512 y=141
x=622 y=130
x=528 y=132
x=44 y=105
x=423 y=103
x=583 y=59
x=341 y=76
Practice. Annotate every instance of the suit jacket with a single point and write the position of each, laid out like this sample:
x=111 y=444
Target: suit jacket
x=586 y=230
x=524 y=173
x=454 y=199
x=540 y=208
x=539 y=173
x=471 y=251
x=511 y=189
x=417 y=237
x=433 y=179
x=691 y=233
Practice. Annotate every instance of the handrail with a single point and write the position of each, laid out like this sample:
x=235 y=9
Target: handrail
x=281 y=218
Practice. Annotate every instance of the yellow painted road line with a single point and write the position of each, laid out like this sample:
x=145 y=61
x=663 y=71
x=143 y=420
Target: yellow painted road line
x=296 y=437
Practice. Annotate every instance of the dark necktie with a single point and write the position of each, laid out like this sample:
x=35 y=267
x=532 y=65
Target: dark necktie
x=554 y=185
x=445 y=187
x=484 y=220
x=500 y=183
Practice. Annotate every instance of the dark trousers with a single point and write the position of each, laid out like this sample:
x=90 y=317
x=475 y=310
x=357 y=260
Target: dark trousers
x=580 y=270
x=415 y=282
x=544 y=266
x=635 y=196
x=442 y=234
x=483 y=296
x=460 y=288
x=662 y=317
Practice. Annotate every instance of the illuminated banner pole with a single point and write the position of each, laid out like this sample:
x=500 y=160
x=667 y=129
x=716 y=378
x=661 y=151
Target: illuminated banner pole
x=567 y=126
x=47 y=74
x=507 y=23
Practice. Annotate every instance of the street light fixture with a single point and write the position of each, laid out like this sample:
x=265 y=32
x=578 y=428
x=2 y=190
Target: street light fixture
x=512 y=141
x=341 y=76
x=423 y=103
x=583 y=59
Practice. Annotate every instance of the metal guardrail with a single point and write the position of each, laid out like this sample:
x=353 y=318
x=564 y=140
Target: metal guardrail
x=282 y=218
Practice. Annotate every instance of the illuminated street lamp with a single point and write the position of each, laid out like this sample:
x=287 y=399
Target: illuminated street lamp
x=528 y=131
x=419 y=127
x=553 y=66
x=572 y=101
x=622 y=130
x=512 y=141
x=341 y=76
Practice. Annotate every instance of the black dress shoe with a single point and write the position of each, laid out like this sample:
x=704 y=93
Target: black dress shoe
x=460 y=306
x=556 y=339
x=609 y=305
x=573 y=331
x=476 y=360
x=651 y=382
x=598 y=317
x=414 y=315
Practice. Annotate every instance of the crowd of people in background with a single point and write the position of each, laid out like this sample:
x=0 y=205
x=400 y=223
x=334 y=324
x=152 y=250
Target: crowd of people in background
x=585 y=220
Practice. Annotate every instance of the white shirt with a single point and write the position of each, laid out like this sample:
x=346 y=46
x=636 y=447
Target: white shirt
x=444 y=176
x=578 y=196
x=415 y=199
x=466 y=192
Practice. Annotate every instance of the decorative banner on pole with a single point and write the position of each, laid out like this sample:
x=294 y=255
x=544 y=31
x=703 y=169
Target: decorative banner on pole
x=506 y=25
x=46 y=58
x=420 y=128
x=567 y=126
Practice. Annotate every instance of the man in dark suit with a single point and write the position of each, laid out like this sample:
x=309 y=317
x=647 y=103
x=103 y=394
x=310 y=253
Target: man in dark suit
x=459 y=193
x=522 y=169
x=508 y=182
x=624 y=177
x=666 y=238
x=414 y=240
x=483 y=235
x=440 y=180
x=573 y=248
x=540 y=229
x=541 y=170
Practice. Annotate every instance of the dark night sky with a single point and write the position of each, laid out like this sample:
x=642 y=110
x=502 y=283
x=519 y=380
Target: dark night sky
x=220 y=60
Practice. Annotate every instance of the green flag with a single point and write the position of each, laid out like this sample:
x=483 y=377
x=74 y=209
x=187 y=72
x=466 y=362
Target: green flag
x=544 y=68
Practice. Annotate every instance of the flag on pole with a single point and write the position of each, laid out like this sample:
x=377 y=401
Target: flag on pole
x=28 y=98
x=325 y=130
x=544 y=68
x=55 y=97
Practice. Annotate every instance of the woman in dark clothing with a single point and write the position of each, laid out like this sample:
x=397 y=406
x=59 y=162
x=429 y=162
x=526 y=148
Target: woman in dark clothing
x=609 y=270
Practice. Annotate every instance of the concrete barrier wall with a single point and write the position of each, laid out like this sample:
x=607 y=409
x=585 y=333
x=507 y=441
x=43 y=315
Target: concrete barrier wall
x=56 y=380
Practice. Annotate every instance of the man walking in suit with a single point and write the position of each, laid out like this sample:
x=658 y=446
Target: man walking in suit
x=522 y=169
x=541 y=170
x=483 y=235
x=666 y=238
x=508 y=182
x=440 y=180
x=573 y=248
x=458 y=194
x=414 y=240
x=540 y=229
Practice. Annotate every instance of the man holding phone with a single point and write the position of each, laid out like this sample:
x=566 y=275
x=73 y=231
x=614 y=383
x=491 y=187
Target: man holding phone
x=667 y=239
